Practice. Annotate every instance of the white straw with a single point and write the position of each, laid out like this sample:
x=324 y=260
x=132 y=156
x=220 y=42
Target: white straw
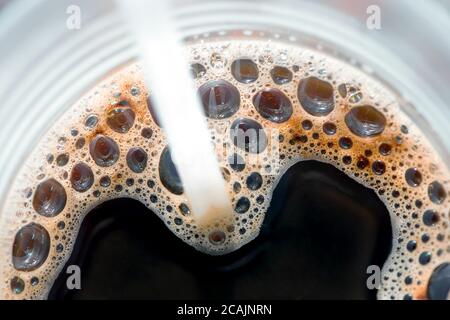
x=177 y=105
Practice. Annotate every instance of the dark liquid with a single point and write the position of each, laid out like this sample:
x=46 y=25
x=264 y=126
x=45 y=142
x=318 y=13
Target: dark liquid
x=321 y=232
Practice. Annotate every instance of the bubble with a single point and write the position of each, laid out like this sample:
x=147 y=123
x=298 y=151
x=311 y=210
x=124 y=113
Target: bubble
x=345 y=143
x=34 y=281
x=425 y=258
x=413 y=177
x=220 y=99
x=91 y=121
x=378 y=167
x=59 y=248
x=316 y=96
x=342 y=90
x=436 y=192
x=120 y=119
x=254 y=181
x=362 y=162
x=408 y=280
x=354 y=95
x=49 y=198
x=244 y=70
x=411 y=245
x=385 y=149
x=105 y=181
x=31 y=247
x=169 y=174
x=62 y=159
x=217 y=237
x=307 y=124
x=184 y=209
x=197 y=70
x=135 y=91
x=260 y=199
x=329 y=128
x=347 y=159
x=147 y=133
x=365 y=121
x=82 y=177
x=236 y=187
x=242 y=205
x=80 y=143
x=61 y=225
x=439 y=283
x=236 y=162
x=17 y=285
x=281 y=75
x=272 y=104
x=225 y=174
x=137 y=159
x=217 y=61
x=104 y=151
x=430 y=218
x=248 y=135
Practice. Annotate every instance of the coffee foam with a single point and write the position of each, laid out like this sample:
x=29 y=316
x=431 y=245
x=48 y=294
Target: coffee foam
x=410 y=149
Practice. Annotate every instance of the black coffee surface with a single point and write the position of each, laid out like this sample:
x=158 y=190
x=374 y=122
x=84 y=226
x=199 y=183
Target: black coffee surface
x=321 y=232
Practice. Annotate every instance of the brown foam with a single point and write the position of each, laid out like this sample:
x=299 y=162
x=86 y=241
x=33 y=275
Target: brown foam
x=297 y=144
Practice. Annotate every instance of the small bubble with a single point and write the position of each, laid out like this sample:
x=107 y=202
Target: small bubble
x=316 y=96
x=244 y=70
x=273 y=104
x=147 y=133
x=385 y=149
x=242 y=205
x=91 y=121
x=329 y=128
x=413 y=177
x=81 y=177
x=135 y=91
x=307 y=124
x=378 y=167
x=436 y=192
x=49 y=198
x=365 y=121
x=345 y=143
x=411 y=245
x=197 y=70
x=137 y=159
x=217 y=61
x=281 y=75
x=220 y=99
x=105 y=181
x=80 y=143
x=217 y=237
x=34 y=281
x=425 y=258
x=184 y=209
x=254 y=181
x=430 y=218
x=62 y=159
x=17 y=285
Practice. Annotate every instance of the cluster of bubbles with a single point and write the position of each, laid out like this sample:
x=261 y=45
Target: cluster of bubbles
x=110 y=145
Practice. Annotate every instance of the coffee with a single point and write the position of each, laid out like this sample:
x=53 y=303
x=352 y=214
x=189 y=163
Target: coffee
x=297 y=104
